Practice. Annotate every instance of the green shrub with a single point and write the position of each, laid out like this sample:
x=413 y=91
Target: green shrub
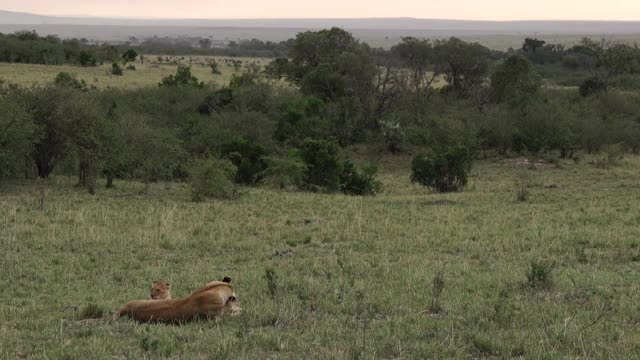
x=131 y=67
x=212 y=178
x=323 y=166
x=182 y=77
x=116 y=69
x=353 y=182
x=66 y=79
x=539 y=275
x=444 y=170
x=248 y=159
x=284 y=173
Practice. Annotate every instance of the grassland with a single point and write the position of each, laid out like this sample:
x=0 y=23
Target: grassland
x=354 y=275
x=149 y=73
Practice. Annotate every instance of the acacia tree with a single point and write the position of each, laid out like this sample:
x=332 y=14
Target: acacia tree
x=417 y=56
x=464 y=65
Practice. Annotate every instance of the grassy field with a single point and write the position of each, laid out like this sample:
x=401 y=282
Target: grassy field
x=355 y=276
x=148 y=74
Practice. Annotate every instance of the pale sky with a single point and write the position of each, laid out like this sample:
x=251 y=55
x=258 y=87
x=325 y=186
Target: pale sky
x=432 y=9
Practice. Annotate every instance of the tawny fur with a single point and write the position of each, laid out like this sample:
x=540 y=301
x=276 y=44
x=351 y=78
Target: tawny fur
x=215 y=299
x=160 y=290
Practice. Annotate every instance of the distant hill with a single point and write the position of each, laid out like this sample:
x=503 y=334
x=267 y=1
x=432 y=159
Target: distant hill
x=378 y=32
x=498 y=27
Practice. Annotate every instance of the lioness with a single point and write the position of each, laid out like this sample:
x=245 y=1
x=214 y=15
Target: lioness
x=215 y=299
x=160 y=290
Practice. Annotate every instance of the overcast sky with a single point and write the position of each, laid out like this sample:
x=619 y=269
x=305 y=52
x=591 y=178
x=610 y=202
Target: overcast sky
x=433 y=9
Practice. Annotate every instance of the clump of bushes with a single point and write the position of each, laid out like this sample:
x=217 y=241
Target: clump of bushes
x=182 y=77
x=324 y=170
x=323 y=165
x=284 y=173
x=212 y=178
x=444 y=170
x=591 y=86
x=359 y=183
x=248 y=159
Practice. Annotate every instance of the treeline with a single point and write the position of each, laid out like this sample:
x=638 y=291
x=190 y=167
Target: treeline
x=30 y=48
x=448 y=98
x=204 y=46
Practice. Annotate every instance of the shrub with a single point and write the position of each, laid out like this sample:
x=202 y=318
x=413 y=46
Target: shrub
x=116 y=69
x=521 y=185
x=212 y=178
x=66 y=79
x=591 y=86
x=131 y=67
x=444 y=170
x=182 y=77
x=323 y=166
x=357 y=183
x=284 y=174
x=395 y=138
x=248 y=159
x=539 y=275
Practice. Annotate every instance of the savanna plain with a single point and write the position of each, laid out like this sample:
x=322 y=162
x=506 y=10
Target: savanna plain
x=407 y=274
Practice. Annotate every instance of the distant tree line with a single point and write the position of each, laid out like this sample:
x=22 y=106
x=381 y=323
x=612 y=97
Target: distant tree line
x=30 y=48
x=285 y=125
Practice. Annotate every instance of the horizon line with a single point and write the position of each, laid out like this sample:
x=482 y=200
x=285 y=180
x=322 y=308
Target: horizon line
x=116 y=17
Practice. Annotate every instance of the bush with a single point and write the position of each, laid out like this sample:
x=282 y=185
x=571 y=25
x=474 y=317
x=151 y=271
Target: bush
x=66 y=79
x=284 y=173
x=116 y=69
x=357 y=183
x=248 y=159
x=444 y=170
x=212 y=178
x=131 y=67
x=539 y=275
x=394 y=136
x=182 y=77
x=591 y=86
x=323 y=166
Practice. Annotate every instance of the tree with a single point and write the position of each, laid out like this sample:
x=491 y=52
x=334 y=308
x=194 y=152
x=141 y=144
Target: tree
x=464 y=65
x=531 y=45
x=129 y=56
x=514 y=79
x=205 y=43
x=418 y=57
x=18 y=133
x=55 y=142
x=87 y=59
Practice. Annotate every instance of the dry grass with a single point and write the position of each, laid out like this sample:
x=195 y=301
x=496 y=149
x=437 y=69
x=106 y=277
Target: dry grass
x=148 y=74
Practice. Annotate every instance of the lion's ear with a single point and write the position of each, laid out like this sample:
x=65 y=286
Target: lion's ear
x=227 y=280
x=153 y=283
x=168 y=285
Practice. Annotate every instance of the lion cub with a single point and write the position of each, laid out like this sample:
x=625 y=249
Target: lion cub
x=160 y=290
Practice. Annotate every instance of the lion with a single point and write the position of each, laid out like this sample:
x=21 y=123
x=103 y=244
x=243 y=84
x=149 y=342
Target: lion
x=160 y=290
x=215 y=299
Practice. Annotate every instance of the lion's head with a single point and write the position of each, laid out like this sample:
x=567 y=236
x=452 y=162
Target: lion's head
x=160 y=290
